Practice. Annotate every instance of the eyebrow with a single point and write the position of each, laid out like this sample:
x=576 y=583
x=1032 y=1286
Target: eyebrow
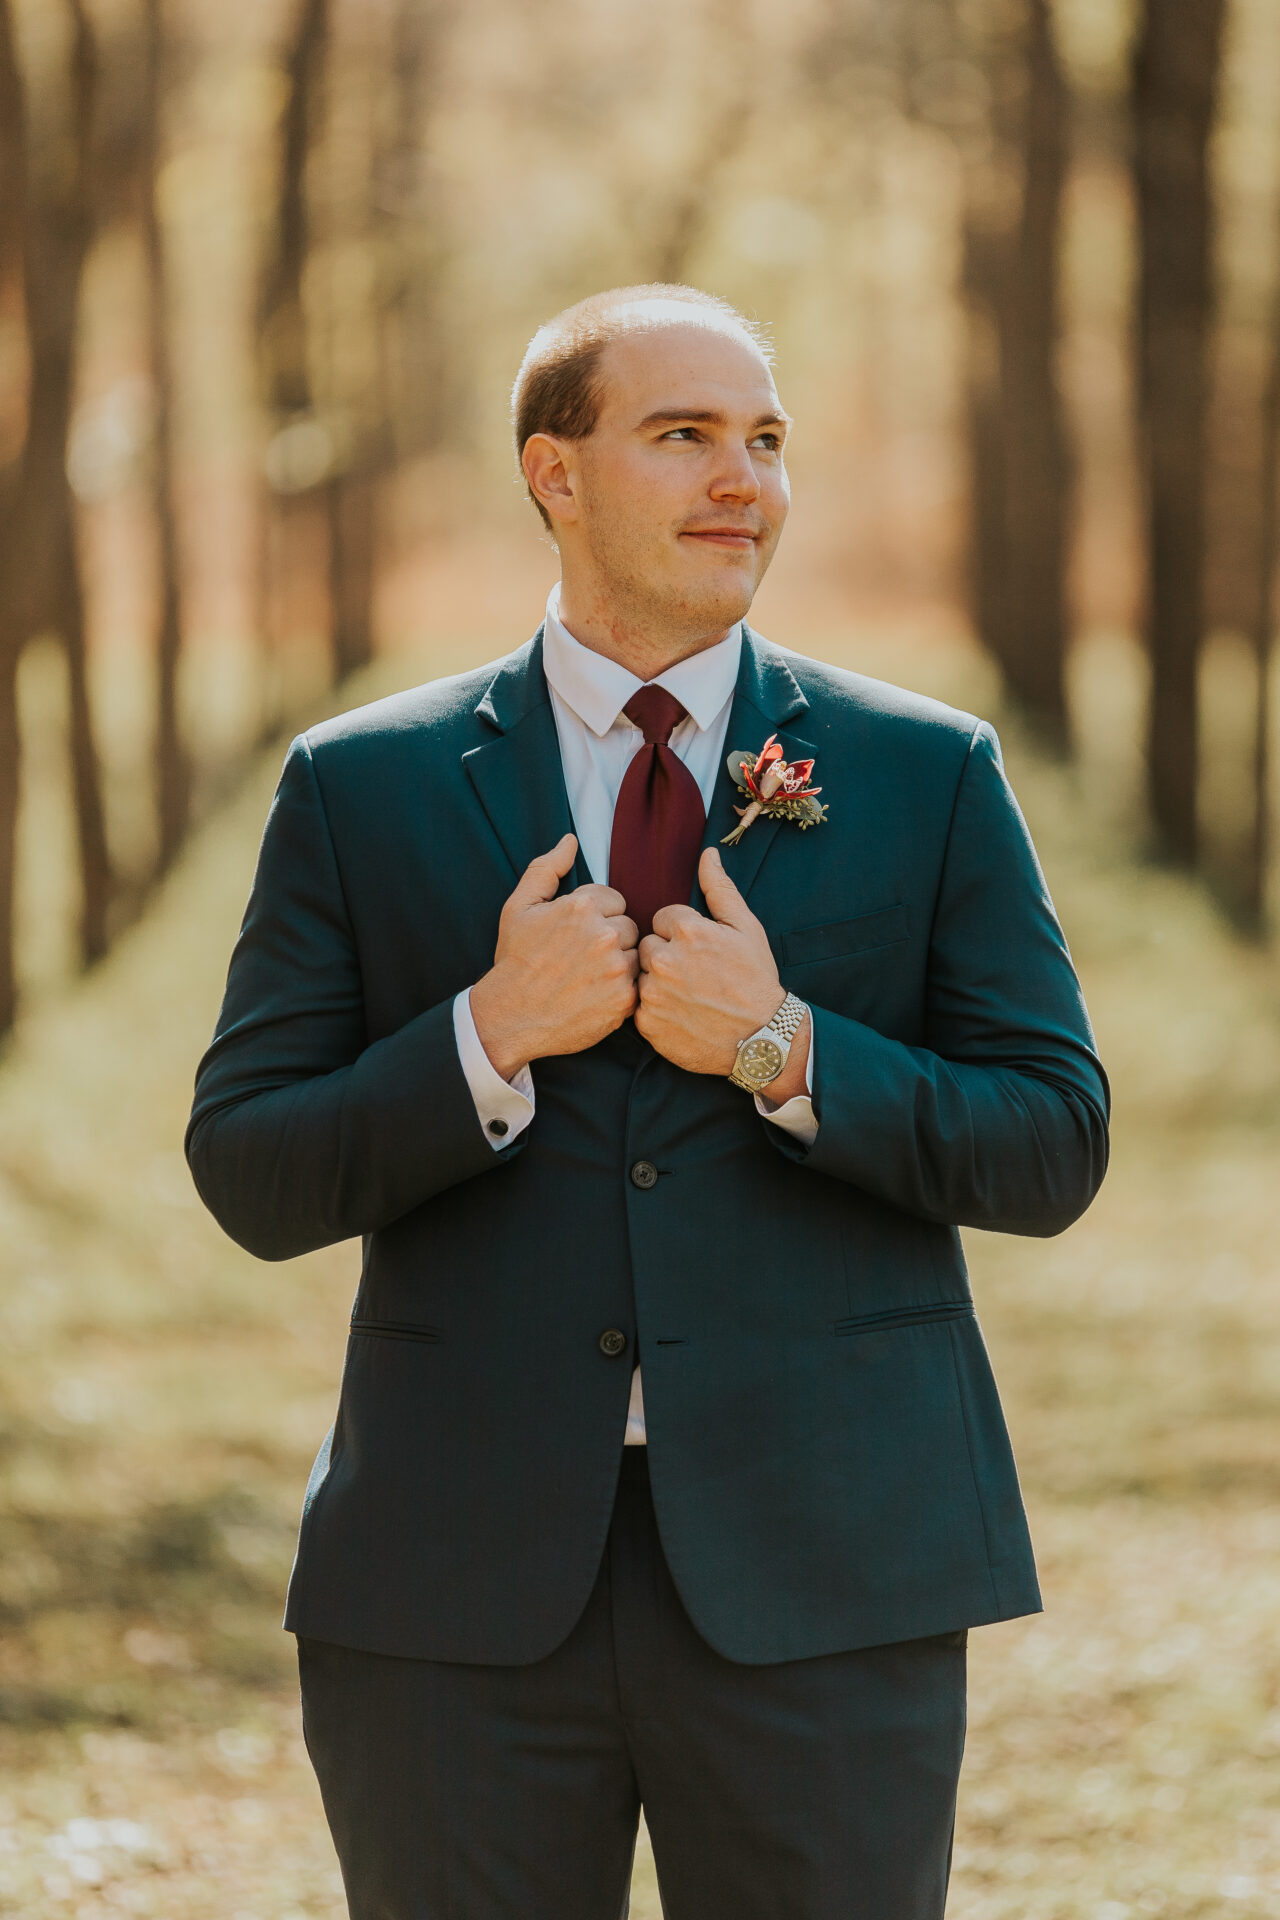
x=707 y=416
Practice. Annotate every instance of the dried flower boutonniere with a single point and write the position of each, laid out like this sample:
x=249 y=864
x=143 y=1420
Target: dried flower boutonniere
x=774 y=786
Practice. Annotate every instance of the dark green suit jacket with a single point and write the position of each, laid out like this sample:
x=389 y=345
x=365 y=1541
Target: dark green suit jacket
x=829 y=1461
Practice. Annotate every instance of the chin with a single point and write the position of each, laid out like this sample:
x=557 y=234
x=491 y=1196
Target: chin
x=720 y=603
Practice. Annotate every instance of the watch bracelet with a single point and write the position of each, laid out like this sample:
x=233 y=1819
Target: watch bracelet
x=789 y=1018
x=786 y=1023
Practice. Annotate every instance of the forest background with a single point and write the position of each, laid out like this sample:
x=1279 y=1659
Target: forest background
x=265 y=274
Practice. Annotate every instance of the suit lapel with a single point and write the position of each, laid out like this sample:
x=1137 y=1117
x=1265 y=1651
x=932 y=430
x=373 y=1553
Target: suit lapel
x=518 y=777
x=766 y=697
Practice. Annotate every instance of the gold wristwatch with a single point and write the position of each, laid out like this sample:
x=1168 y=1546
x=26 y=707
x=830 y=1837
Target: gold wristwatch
x=763 y=1054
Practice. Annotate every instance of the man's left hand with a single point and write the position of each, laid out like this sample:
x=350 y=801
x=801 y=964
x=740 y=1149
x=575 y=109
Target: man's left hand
x=706 y=984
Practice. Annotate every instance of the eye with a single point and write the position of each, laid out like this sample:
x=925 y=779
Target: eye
x=679 y=433
x=771 y=442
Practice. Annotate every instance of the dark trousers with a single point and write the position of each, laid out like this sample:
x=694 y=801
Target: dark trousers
x=813 y=1790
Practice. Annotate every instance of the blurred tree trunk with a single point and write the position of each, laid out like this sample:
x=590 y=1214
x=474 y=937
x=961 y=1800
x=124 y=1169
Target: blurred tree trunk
x=344 y=492
x=1176 y=66
x=351 y=501
x=1020 y=458
x=59 y=241
x=13 y=194
x=287 y=377
x=172 y=761
x=45 y=578
x=1258 y=859
x=420 y=400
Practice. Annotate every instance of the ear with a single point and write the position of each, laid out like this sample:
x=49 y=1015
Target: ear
x=551 y=472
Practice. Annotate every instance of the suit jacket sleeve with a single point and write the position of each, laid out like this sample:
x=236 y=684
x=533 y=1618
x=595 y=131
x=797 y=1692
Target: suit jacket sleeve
x=303 y=1133
x=1000 y=1119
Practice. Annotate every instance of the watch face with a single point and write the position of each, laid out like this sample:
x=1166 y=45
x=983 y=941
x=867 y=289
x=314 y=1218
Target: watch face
x=760 y=1061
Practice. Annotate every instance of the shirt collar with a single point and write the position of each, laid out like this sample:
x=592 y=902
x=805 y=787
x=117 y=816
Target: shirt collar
x=597 y=689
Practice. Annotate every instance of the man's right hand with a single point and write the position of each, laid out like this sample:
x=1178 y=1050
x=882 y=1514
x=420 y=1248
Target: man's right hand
x=564 y=972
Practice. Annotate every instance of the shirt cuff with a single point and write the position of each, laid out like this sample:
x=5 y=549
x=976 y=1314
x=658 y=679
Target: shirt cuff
x=503 y=1108
x=795 y=1116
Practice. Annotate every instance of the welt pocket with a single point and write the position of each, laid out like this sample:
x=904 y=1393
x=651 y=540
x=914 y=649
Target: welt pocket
x=906 y=1317
x=396 y=1330
x=837 y=939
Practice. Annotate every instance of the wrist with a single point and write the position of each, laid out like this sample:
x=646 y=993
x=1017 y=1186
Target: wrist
x=509 y=1041
x=794 y=1078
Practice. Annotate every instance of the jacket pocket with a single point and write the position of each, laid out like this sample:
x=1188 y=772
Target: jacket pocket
x=906 y=1317
x=396 y=1330
x=837 y=939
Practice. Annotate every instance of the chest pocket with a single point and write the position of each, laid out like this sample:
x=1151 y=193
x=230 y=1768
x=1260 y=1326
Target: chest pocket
x=841 y=939
x=855 y=967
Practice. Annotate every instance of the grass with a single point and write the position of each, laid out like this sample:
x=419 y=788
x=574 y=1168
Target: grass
x=161 y=1395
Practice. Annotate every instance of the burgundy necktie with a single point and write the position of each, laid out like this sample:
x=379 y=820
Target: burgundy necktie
x=659 y=820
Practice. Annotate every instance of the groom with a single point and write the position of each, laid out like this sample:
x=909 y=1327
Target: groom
x=668 y=1469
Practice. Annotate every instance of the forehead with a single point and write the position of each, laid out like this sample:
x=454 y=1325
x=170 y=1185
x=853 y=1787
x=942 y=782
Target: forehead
x=683 y=365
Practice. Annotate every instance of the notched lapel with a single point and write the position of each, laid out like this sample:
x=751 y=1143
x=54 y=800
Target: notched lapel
x=767 y=696
x=518 y=777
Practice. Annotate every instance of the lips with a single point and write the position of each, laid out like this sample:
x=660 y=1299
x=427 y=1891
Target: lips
x=728 y=536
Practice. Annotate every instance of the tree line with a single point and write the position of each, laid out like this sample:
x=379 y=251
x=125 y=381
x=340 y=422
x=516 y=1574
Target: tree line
x=86 y=105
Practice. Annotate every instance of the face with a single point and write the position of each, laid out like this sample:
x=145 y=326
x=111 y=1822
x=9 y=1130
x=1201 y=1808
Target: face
x=668 y=514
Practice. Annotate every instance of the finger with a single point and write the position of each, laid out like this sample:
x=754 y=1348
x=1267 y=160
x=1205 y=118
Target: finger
x=541 y=878
x=668 y=921
x=626 y=930
x=724 y=902
x=633 y=967
x=647 y=948
x=605 y=900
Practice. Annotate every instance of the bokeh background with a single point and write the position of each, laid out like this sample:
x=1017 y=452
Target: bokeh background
x=266 y=271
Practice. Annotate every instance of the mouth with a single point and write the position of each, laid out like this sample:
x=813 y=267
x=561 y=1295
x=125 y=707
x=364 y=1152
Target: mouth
x=736 y=539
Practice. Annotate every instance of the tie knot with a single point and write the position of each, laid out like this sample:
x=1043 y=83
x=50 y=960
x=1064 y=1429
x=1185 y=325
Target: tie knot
x=656 y=712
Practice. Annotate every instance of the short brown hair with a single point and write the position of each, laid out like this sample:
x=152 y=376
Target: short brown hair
x=557 y=389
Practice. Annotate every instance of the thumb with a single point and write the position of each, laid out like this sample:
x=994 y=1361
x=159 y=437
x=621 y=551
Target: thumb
x=541 y=878
x=726 y=904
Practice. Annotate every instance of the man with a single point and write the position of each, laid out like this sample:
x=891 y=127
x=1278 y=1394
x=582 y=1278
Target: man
x=668 y=1468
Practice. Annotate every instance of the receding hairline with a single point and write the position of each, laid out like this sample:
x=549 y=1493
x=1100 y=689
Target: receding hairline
x=591 y=325
x=647 y=314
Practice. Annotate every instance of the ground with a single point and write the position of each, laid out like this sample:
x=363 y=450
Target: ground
x=161 y=1395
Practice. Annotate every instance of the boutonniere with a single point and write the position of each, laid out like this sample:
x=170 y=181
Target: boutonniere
x=773 y=786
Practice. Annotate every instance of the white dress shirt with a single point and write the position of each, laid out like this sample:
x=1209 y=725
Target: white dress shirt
x=597 y=745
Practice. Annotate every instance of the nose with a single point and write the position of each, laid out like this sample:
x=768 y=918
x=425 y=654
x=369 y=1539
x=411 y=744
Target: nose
x=735 y=477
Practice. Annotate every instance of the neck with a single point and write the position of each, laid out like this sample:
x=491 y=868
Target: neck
x=644 y=646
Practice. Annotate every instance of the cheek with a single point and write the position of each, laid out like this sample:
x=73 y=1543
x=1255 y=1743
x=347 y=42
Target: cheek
x=776 y=497
x=630 y=507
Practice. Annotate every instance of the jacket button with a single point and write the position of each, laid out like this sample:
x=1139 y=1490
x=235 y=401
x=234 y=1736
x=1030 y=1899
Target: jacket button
x=612 y=1341
x=644 y=1175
